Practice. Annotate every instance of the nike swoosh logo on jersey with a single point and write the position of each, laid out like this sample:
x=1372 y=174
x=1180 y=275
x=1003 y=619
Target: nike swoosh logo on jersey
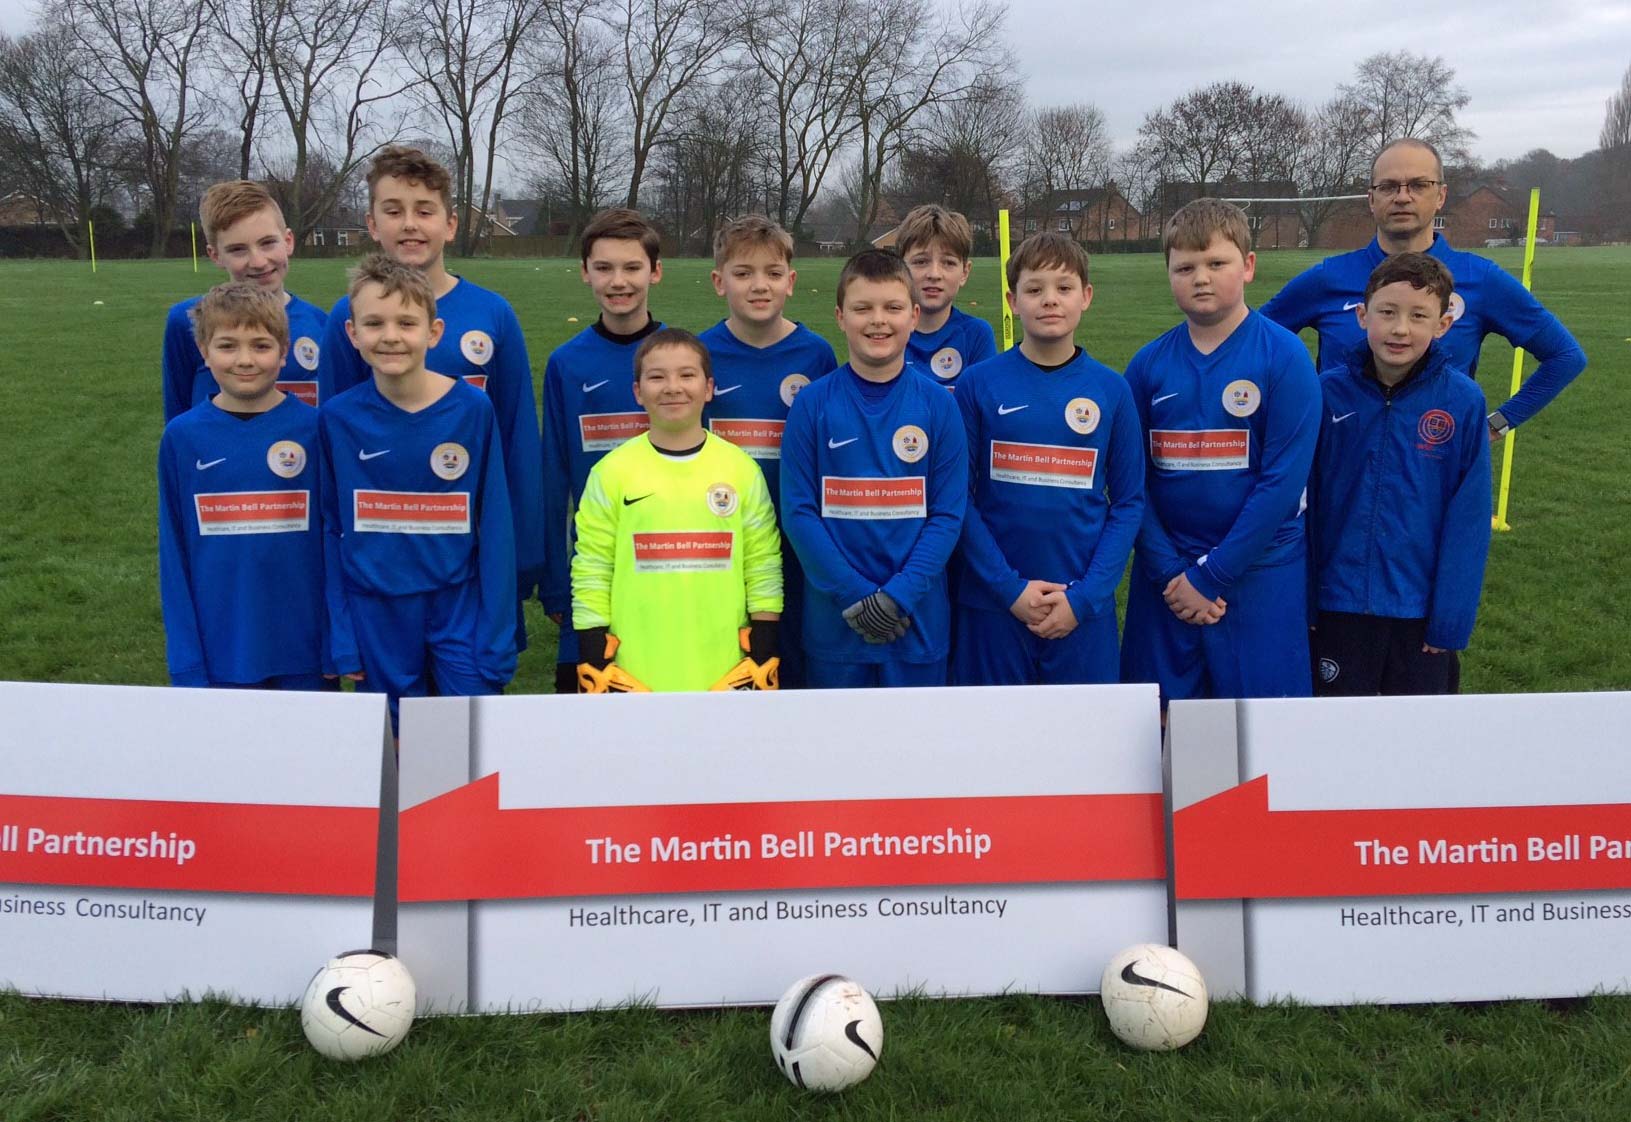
x=587 y=388
x=1351 y=305
x=202 y=466
x=831 y=443
x=630 y=502
x=1163 y=397
x=1335 y=420
x=1004 y=410
x=720 y=391
x=361 y=455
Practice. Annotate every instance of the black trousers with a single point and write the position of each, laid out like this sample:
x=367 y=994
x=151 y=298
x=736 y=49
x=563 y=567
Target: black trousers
x=1364 y=656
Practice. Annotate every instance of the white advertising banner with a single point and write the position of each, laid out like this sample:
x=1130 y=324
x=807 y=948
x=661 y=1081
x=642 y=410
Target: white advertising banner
x=706 y=849
x=161 y=843
x=1405 y=849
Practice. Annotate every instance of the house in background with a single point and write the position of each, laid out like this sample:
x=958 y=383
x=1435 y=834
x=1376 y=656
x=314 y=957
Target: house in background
x=1095 y=214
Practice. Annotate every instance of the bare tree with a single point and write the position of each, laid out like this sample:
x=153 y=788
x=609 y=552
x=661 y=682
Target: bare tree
x=144 y=57
x=58 y=137
x=571 y=121
x=1333 y=158
x=1067 y=148
x=713 y=166
x=965 y=157
x=911 y=57
x=245 y=32
x=668 y=46
x=1201 y=137
x=466 y=59
x=1413 y=95
x=1140 y=172
x=801 y=49
x=1617 y=119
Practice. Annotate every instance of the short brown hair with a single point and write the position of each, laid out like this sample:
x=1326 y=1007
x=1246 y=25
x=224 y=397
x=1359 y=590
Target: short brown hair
x=230 y=201
x=395 y=278
x=240 y=304
x=1048 y=250
x=672 y=337
x=1194 y=225
x=924 y=225
x=874 y=265
x=624 y=223
x=1418 y=270
x=748 y=233
x=413 y=165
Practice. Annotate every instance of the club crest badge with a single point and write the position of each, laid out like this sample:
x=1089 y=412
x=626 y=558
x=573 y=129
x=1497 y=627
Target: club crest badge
x=947 y=363
x=1082 y=414
x=911 y=443
x=723 y=500
x=306 y=352
x=449 y=460
x=1242 y=397
x=286 y=458
x=791 y=385
x=477 y=346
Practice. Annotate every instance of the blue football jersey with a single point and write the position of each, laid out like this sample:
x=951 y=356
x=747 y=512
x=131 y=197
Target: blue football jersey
x=240 y=545
x=962 y=341
x=754 y=387
x=1229 y=437
x=873 y=494
x=481 y=343
x=188 y=381
x=1057 y=468
x=1487 y=300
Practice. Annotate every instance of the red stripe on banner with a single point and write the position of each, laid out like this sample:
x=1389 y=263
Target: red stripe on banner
x=461 y=846
x=229 y=847
x=1232 y=847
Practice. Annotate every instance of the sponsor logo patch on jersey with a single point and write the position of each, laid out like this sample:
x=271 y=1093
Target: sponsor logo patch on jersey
x=286 y=458
x=601 y=432
x=694 y=551
x=305 y=391
x=1082 y=414
x=791 y=385
x=253 y=512
x=1242 y=397
x=477 y=380
x=911 y=443
x=449 y=460
x=1435 y=427
x=723 y=500
x=760 y=438
x=1201 y=449
x=1043 y=465
x=874 y=498
x=477 y=346
x=1458 y=306
x=947 y=363
x=411 y=512
x=306 y=352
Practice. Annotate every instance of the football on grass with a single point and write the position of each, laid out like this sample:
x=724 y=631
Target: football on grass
x=359 y=1004
x=1154 y=997
x=825 y=1033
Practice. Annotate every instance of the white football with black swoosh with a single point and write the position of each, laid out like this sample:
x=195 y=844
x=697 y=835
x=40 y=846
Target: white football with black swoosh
x=825 y=1033
x=359 y=1004
x=1154 y=997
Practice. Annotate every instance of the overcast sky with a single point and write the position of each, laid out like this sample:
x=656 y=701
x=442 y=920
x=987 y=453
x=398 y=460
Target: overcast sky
x=1538 y=75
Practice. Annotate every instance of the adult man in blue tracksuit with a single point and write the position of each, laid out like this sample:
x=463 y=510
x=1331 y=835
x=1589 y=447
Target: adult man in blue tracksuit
x=1399 y=500
x=1407 y=190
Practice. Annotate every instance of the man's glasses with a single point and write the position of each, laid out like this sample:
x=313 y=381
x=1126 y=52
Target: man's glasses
x=1415 y=188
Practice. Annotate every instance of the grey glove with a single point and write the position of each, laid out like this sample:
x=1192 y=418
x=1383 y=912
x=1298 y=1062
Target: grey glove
x=877 y=619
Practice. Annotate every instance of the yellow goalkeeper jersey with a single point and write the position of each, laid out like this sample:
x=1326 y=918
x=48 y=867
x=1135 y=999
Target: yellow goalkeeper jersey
x=672 y=555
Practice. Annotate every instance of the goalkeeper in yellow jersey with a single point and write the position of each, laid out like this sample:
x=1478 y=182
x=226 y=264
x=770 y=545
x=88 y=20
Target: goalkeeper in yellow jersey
x=677 y=579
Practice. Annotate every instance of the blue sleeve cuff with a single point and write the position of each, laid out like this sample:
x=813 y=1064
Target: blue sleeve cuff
x=1204 y=583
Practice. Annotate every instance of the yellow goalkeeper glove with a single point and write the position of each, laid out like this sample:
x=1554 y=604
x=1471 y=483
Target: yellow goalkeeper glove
x=761 y=669
x=597 y=673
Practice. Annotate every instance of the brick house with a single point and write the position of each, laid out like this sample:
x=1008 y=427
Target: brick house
x=1090 y=215
x=1478 y=212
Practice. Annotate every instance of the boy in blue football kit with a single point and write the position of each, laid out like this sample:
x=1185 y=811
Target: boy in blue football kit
x=240 y=547
x=244 y=233
x=1399 y=504
x=410 y=214
x=937 y=245
x=761 y=360
x=419 y=554
x=1218 y=601
x=1407 y=190
x=874 y=483
x=1058 y=489
x=589 y=403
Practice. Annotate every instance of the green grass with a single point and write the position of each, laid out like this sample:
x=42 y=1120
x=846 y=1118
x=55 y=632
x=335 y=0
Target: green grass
x=78 y=602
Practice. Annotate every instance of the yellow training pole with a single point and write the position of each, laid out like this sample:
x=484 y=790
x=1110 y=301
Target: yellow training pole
x=90 y=228
x=194 y=227
x=1500 y=522
x=1007 y=312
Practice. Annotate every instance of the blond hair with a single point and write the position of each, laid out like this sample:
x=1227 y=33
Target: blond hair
x=240 y=304
x=395 y=278
x=750 y=232
x=230 y=201
x=925 y=225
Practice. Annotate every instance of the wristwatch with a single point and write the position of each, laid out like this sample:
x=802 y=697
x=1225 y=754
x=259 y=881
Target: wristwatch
x=1498 y=424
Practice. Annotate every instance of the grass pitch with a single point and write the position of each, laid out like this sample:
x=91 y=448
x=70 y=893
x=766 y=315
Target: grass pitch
x=79 y=602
